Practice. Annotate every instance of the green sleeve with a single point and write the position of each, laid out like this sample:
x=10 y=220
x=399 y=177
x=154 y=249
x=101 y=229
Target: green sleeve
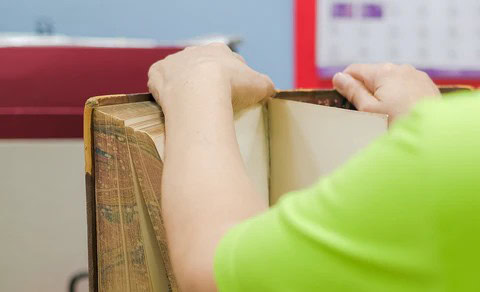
x=402 y=215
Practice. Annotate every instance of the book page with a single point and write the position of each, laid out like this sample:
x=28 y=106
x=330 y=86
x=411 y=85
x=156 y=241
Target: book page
x=145 y=203
x=112 y=263
x=139 y=278
x=309 y=141
x=149 y=167
x=251 y=132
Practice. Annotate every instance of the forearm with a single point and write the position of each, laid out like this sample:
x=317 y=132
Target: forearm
x=205 y=186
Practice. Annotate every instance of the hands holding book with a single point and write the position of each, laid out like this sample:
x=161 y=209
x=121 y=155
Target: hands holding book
x=381 y=88
x=205 y=187
x=169 y=189
x=384 y=88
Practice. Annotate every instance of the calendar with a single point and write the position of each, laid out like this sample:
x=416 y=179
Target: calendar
x=441 y=37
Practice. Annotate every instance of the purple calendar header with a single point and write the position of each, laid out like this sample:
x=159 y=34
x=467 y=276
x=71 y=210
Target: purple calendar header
x=342 y=10
x=372 y=11
x=347 y=9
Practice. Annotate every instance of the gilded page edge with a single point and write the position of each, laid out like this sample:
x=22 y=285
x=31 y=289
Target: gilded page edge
x=90 y=106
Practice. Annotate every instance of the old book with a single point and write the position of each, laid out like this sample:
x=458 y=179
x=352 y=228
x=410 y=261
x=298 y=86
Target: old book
x=286 y=143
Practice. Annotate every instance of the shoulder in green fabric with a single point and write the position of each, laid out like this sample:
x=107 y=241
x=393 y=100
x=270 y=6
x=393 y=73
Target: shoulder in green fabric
x=402 y=215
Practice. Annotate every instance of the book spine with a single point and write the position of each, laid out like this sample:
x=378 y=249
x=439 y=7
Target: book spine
x=90 y=198
x=111 y=260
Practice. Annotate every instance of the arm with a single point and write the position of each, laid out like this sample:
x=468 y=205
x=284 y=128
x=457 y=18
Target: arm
x=205 y=186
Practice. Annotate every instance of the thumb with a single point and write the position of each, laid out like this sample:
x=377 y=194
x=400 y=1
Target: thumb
x=355 y=92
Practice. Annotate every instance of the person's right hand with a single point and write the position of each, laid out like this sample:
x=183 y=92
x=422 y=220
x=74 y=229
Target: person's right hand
x=199 y=75
x=384 y=88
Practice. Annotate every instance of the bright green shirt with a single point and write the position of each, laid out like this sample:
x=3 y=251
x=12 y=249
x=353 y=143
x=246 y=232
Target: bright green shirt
x=402 y=215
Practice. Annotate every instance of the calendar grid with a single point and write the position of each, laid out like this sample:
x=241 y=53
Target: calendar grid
x=441 y=37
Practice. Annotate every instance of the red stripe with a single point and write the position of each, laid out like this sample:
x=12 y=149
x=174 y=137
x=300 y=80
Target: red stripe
x=52 y=111
x=44 y=89
x=305 y=16
x=40 y=126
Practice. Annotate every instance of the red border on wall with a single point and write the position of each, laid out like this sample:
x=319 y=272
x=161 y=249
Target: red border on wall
x=44 y=89
x=306 y=75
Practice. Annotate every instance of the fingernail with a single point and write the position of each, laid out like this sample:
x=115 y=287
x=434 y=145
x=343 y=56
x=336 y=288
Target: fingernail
x=339 y=79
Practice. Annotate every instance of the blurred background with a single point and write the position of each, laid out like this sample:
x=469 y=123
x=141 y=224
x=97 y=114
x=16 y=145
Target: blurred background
x=265 y=26
x=55 y=54
x=52 y=58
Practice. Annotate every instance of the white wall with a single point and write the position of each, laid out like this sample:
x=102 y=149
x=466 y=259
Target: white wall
x=43 y=225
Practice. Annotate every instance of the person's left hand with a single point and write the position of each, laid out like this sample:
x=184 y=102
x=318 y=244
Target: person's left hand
x=385 y=88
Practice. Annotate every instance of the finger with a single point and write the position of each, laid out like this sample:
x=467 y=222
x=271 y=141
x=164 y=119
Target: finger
x=256 y=84
x=260 y=83
x=250 y=87
x=239 y=57
x=269 y=86
x=220 y=46
x=154 y=81
x=369 y=74
x=189 y=48
x=153 y=89
x=355 y=92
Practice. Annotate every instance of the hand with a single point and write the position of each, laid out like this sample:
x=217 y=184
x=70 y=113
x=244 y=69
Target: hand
x=206 y=72
x=384 y=88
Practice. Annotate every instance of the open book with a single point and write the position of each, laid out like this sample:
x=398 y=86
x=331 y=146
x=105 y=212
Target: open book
x=286 y=143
